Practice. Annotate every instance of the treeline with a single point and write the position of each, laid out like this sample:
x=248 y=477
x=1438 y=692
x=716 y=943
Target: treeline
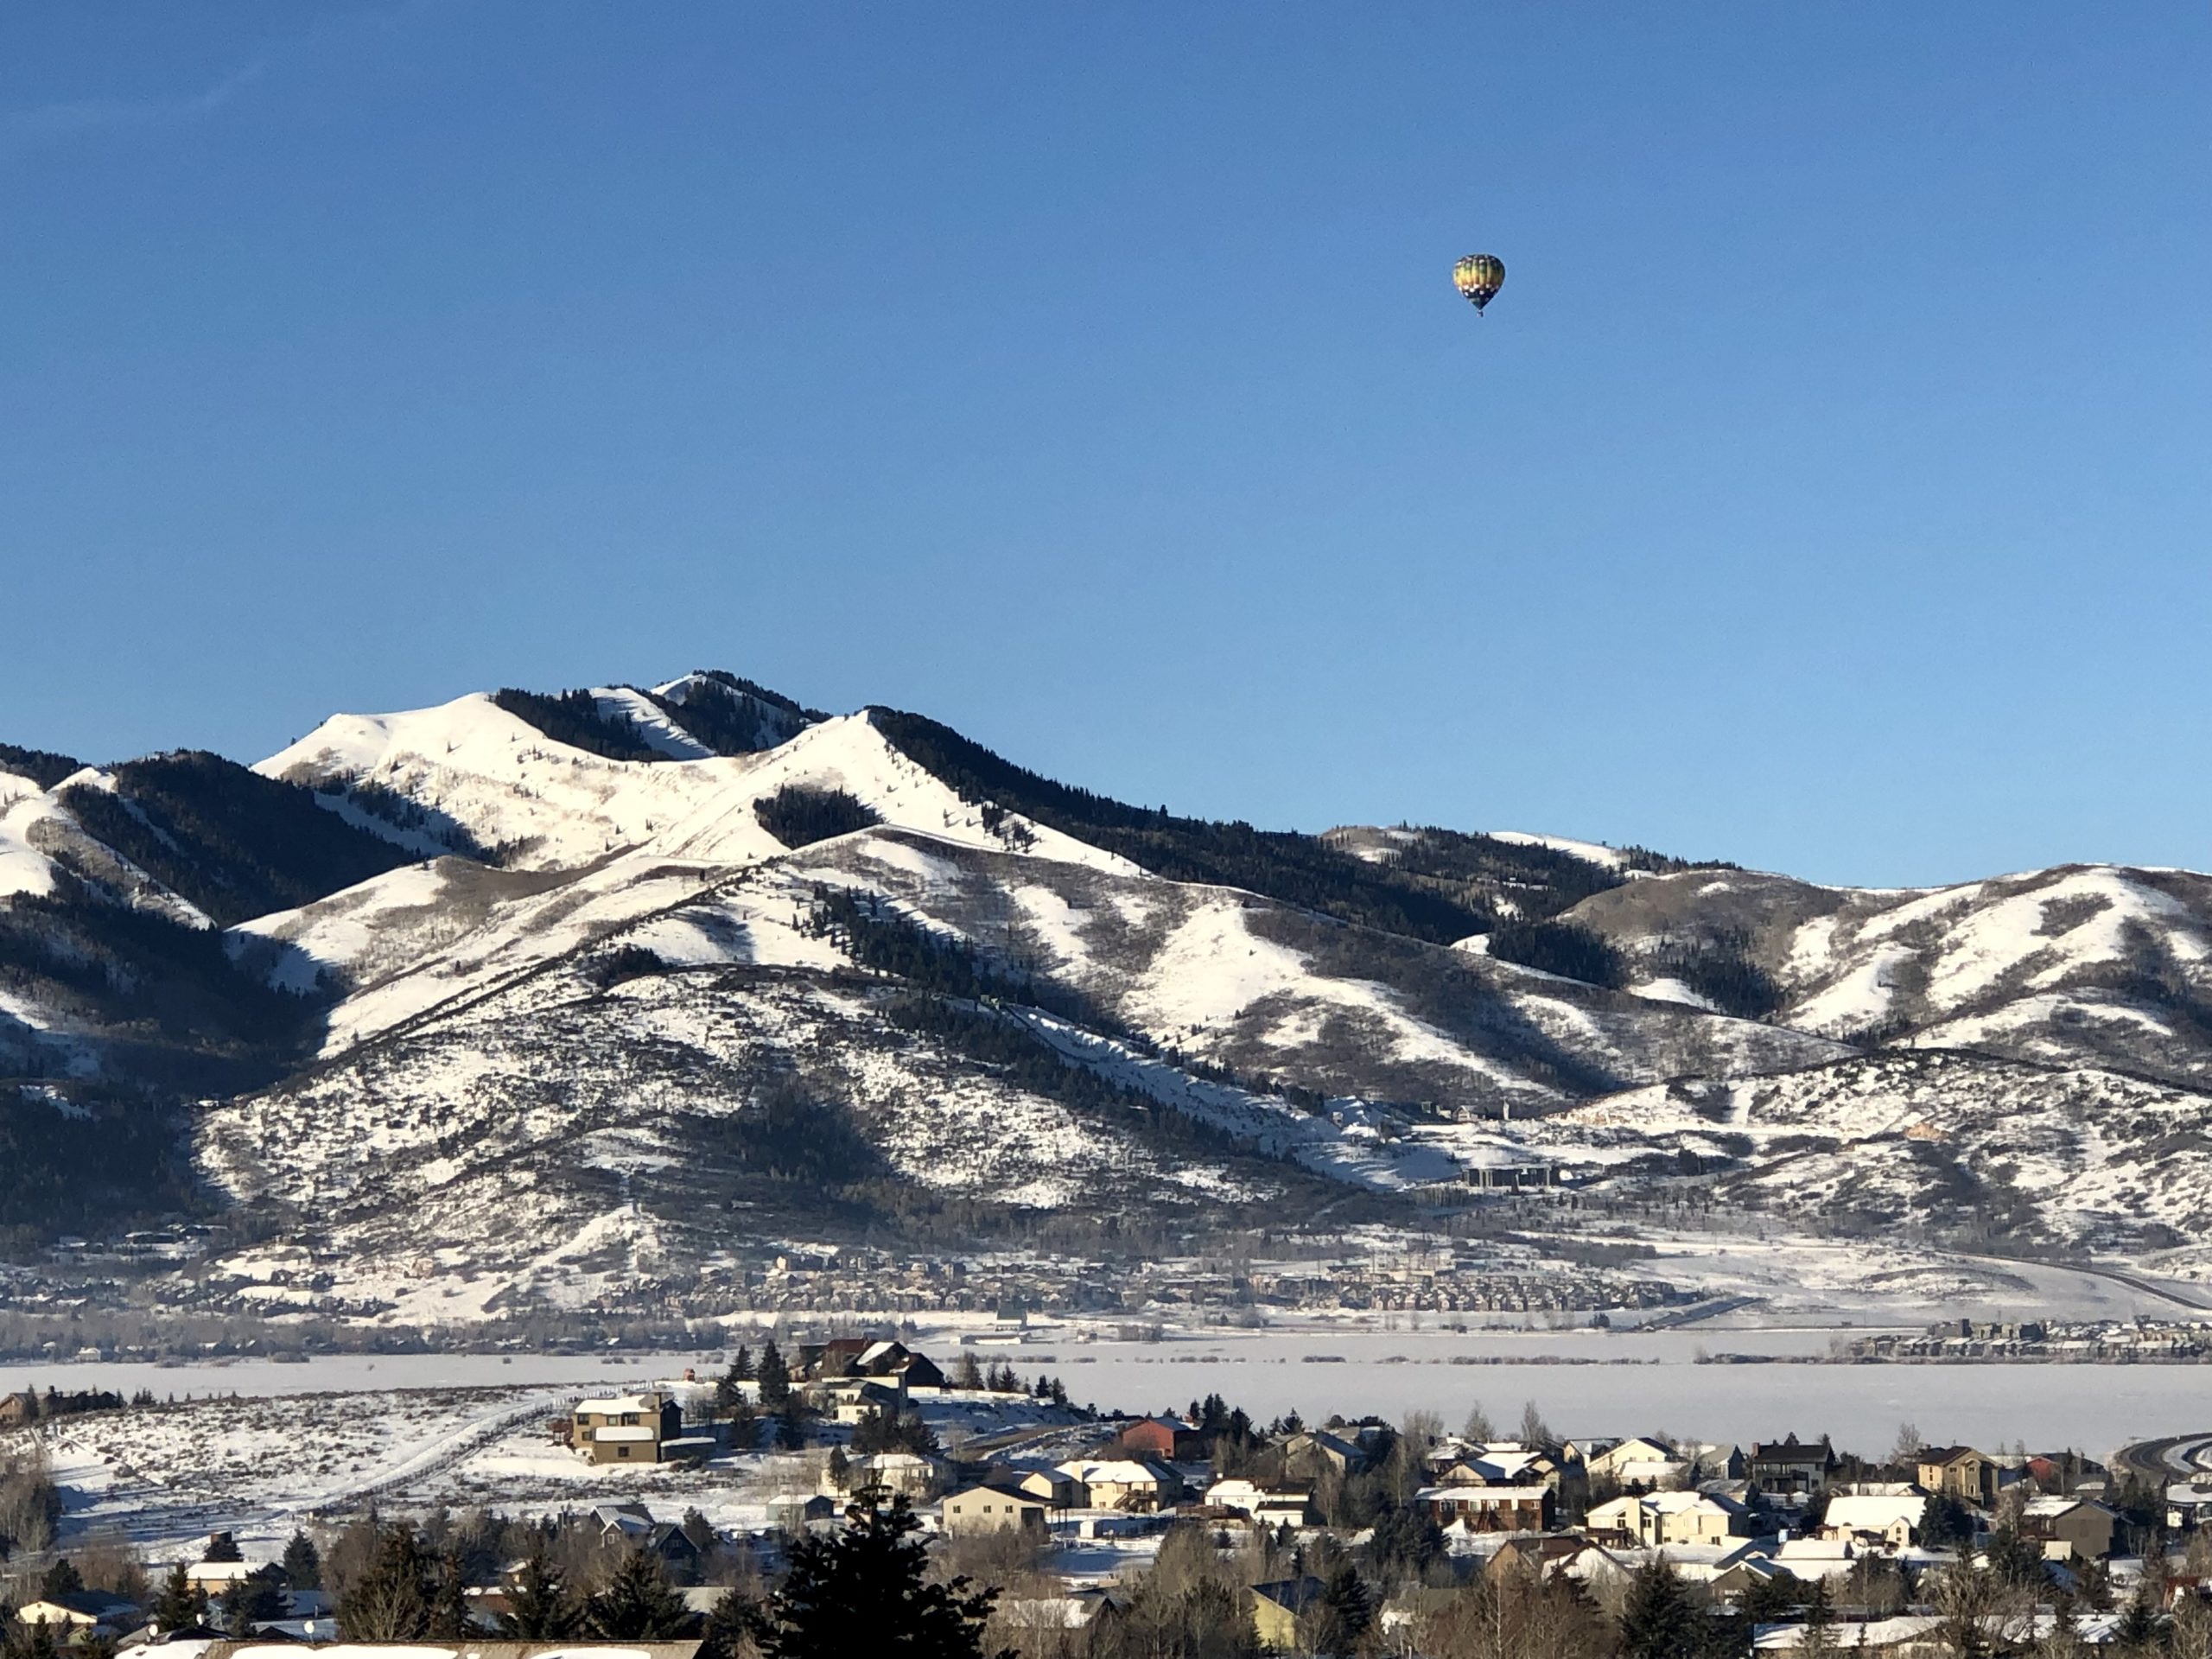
x=1296 y=868
x=575 y=718
x=731 y=716
x=798 y=814
x=1567 y=949
x=1718 y=966
x=232 y=843
x=401 y=812
x=177 y=983
x=42 y=767
x=789 y=1133
x=84 y=1164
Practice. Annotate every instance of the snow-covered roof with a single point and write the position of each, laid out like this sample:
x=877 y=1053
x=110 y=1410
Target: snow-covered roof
x=1869 y=1512
x=617 y=1405
x=1120 y=1472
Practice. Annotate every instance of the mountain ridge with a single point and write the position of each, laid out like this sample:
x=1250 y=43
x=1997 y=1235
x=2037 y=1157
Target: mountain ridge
x=638 y=963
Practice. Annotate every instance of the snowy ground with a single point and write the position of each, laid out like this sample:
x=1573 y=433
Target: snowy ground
x=160 y=1476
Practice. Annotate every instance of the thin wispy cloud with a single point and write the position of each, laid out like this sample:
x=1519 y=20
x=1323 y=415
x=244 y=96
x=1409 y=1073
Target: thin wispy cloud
x=89 y=115
x=92 y=114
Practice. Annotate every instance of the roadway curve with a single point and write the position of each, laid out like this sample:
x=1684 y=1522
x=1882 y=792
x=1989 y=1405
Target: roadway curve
x=2175 y=1457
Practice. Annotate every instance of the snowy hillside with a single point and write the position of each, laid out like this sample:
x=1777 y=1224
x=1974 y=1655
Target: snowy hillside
x=2078 y=965
x=515 y=999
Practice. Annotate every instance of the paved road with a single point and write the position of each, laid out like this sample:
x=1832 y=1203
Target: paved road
x=2175 y=1457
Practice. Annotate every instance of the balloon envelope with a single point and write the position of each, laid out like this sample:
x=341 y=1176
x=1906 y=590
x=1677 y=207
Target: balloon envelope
x=1478 y=276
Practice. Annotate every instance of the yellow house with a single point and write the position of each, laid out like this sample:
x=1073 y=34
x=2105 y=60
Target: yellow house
x=625 y=1427
x=1275 y=1608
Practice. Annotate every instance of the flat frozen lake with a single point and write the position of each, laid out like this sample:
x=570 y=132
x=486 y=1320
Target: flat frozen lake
x=1608 y=1384
x=1646 y=1384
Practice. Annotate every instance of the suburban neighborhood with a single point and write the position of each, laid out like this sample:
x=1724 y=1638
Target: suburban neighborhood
x=1367 y=1536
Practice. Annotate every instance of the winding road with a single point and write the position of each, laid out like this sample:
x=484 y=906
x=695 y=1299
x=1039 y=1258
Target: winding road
x=2174 y=1456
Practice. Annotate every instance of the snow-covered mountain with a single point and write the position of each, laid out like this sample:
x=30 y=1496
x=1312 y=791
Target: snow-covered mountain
x=546 y=992
x=2085 y=964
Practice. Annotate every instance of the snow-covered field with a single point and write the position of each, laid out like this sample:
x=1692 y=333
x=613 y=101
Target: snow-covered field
x=260 y=1465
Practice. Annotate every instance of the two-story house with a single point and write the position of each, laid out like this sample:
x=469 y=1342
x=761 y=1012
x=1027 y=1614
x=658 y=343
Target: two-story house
x=625 y=1427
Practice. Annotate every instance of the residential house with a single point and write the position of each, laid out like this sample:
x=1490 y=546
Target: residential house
x=794 y=1513
x=1816 y=1558
x=2187 y=1502
x=855 y=1399
x=907 y=1474
x=1133 y=1483
x=1272 y=1506
x=1277 y=1607
x=1168 y=1438
x=1884 y=1514
x=80 y=1613
x=1958 y=1471
x=2061 y=1472
x=625 y=1427
x=1562 y=1555
x=1048 y=1485
x=1789 y=1465
x=2069 y=1528
x=1656 y=1520
x=1642 y=1460
x=1315 y=1455
x=1488 y=1508
x=825 y=1362
x=677 y=1551
x=994 y=1508
x=215 y=1579
x=844 y=1357
x=1509 y=1463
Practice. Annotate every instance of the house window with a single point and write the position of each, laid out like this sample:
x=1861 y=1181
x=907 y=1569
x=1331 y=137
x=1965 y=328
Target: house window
x=621 y=1451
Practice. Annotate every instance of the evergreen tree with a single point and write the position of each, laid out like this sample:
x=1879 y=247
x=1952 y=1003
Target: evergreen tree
x=775 y=1378
x=2138 y=1630
x=735 y=1624
x=254 y=1600
x=790 y=1426
x=864 y=1590
x=2016 y=1561
x=221 y=1547
x=451 y=1617
x=637 y=1605
x=60 y=1579
x=839 y=1467
x=1819 y=1635
x=1342 y=1614
x=391 y=1599
x=728 y=1391
x=1944 y=1521
x=303 y=1562
x=181 y=1605
x=33 y=1641
x=1658 y=1620
x=539 y=1607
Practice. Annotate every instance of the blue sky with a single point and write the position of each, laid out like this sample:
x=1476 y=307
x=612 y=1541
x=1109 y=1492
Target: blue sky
x=1829 y=489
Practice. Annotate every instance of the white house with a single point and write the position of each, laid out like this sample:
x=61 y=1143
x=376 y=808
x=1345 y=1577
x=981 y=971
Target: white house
x=1126 y=1483
x=1888 y=1514
x=1656 y=1519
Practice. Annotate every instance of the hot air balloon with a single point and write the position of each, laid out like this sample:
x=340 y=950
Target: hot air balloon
x=1478 y=276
